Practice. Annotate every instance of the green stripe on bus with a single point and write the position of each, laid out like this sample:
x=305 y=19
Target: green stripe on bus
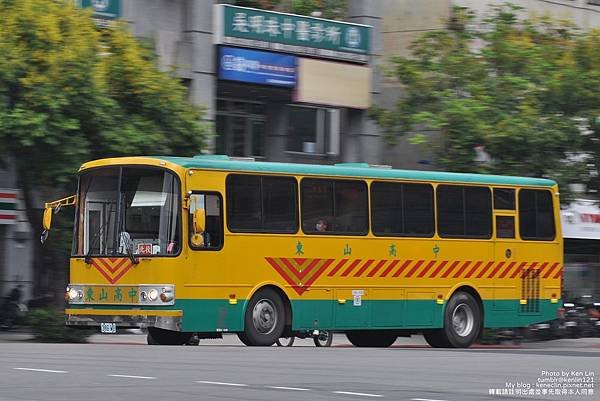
x=221 y=163
x=210 y=315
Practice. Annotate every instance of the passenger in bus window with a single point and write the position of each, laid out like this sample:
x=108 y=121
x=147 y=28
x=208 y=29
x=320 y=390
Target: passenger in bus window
x=322 y=225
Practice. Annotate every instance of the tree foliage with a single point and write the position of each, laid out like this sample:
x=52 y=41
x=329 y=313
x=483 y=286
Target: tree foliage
x=70 y=92
x=329 y=9
x=527 y=91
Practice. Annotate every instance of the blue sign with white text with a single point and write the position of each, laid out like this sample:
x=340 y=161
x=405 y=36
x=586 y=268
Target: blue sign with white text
x=257 y=67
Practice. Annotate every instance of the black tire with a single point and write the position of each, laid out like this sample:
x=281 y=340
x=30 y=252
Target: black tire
x=158 y=336
x=436 y=338
x=462 y=323
x=243 y=338
x=371 y=338
x=285 y=341
x=324 y=339
x=264 y=320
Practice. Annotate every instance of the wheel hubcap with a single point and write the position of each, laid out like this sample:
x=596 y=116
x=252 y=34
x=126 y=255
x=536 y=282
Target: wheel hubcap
x=462 y=320
x=264 y=316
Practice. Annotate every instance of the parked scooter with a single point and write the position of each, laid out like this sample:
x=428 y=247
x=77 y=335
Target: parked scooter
x=321 y=338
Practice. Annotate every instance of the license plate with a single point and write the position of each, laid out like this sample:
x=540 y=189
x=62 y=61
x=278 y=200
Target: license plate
x=108 y=328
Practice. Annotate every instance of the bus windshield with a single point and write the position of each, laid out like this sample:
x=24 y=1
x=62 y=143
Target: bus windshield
x=128 y=210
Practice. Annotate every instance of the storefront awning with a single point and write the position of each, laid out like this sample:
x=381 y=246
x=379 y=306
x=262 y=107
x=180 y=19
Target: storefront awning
x=8 y=206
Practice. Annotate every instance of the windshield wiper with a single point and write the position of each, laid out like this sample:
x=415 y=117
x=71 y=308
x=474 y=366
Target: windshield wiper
x=88 y=255
x=126 y=242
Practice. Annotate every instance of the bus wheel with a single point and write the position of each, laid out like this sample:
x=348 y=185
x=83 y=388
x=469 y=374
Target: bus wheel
x=462 y=322
x=243 y=338
x=158 y=336
x=436 y=338
x=324 y=339
x=285 y=341
x=371 y=338
x=264 y=320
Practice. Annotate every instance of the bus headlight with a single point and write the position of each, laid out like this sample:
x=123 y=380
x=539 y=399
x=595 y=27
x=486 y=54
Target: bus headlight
x=153 y=294
x=167 y=295
x=74 y=294
x=157 y=294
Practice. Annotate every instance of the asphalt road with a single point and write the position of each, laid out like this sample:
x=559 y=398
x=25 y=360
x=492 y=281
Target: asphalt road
x=123 y=368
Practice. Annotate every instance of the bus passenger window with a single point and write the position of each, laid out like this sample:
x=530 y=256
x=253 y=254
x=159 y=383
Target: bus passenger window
x=342 y=203
x=401 y=209
x=505 y=227
x=208 y=207
x=262 y=204
x=464 y=211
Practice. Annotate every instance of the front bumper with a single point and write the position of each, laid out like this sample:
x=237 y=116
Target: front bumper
x=168 y=320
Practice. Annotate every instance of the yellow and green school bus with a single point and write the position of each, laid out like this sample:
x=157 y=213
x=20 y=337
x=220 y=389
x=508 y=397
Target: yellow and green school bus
x=212 y=245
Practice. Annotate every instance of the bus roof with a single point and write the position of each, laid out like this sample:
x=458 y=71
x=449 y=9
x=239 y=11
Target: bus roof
x=355 y=170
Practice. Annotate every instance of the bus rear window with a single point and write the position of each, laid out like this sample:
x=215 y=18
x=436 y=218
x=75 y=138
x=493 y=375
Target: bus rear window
x=536 y=216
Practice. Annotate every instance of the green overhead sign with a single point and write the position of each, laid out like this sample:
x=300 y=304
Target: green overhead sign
x=249 y=27
x=103 y=9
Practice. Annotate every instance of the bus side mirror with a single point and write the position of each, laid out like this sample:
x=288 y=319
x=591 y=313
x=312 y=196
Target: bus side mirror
x=199 y=220
x=47 y=221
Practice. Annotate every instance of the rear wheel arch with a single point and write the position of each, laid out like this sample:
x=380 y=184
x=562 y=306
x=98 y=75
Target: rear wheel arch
x=462 y=320
x=473 y=292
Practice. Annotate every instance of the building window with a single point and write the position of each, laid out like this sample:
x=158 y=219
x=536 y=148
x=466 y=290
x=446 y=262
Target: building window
x=464 y=211
x=313 y=130
x=240 y=128
x=402 y=209
x=334 y=207
x=536 y=215
x=262 y=204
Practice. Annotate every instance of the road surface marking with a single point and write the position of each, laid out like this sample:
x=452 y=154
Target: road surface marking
x=133 y=377
x=359 y=394
x=42 y=370
x=424 y=399
x=289 y=388
x=222 y=384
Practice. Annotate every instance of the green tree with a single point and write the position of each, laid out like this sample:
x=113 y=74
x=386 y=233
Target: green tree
x=70 y=92
x=329 y=9
x=527 y=91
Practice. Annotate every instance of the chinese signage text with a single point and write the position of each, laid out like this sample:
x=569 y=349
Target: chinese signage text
x=289 y=33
